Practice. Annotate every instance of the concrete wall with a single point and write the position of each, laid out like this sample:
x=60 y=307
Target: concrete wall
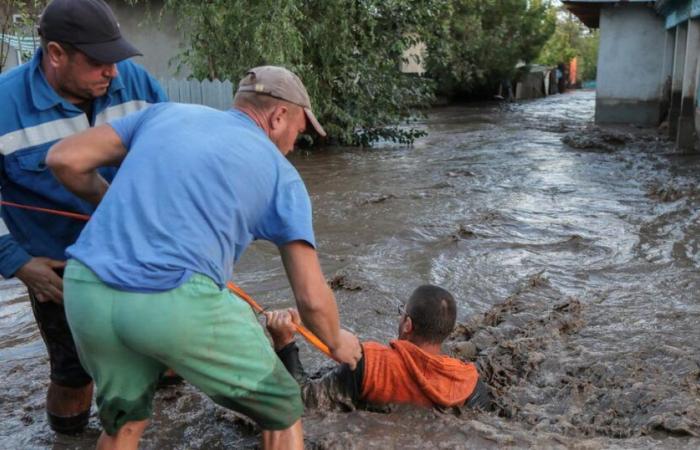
x=630 y=68
x=667 y=72
x=680 y=44
x=415 y=59
x=159 y=42
x=686 y=136
x=532 y=85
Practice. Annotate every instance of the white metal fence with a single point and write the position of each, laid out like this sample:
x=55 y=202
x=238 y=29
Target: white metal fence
x=23 y=45
x=216 y=94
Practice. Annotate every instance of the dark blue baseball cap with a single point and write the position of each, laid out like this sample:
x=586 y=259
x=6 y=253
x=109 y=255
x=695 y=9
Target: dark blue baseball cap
x=88 y=25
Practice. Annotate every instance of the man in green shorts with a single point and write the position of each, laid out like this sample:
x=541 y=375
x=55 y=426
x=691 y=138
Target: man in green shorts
x=145 y=285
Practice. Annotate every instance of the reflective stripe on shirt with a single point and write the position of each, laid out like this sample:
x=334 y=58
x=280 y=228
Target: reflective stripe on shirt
x=121 y=110
x=42 y=133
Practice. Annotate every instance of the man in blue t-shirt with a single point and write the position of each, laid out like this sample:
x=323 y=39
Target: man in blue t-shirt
x=81 y=76
x=145 y=285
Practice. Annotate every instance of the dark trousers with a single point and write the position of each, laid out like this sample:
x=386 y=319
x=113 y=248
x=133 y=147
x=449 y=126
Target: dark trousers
x=65 y=365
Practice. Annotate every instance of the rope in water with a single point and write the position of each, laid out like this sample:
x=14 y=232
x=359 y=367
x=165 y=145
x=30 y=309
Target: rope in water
x=308 y=335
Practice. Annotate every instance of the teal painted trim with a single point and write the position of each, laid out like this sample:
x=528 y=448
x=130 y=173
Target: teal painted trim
x=680 y=12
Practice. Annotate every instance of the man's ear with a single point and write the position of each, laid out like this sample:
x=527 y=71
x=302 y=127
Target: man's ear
x=56 y=54
x=407 y=326
x=279 y=117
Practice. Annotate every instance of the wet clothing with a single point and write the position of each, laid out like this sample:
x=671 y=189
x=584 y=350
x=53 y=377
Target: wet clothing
x=33 y=118
x=403 y=373
x=63 y=357
x=207 y=335
x=398 y=373
x=197 y=186
x=338 y=388
x=144 y=289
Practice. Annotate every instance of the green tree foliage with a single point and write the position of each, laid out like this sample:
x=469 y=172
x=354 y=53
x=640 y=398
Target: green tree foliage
x=588 y=66
x=570 y=40
x=18 y=18
x=485 y=40
x=347 y=52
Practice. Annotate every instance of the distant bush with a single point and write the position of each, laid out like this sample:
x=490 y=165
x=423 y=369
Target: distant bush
x=484 y=42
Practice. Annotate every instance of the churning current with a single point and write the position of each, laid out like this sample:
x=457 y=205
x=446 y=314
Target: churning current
x=573 y=253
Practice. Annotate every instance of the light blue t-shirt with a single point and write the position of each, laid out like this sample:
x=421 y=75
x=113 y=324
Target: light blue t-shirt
x=196 y=187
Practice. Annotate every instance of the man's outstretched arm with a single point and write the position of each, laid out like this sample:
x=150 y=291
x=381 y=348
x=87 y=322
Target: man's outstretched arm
x=316 y=302
x=74 y=161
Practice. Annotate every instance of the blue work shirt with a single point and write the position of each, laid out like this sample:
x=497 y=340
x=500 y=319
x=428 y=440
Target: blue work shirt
x=32 y=118
x=196 y=187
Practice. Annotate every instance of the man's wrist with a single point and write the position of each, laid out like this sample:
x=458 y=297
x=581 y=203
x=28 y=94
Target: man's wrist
x=12 y=256
x=286 y=347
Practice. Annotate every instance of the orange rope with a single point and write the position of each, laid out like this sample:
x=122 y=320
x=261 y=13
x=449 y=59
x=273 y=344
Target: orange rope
x=72 y=215
x=313 y=340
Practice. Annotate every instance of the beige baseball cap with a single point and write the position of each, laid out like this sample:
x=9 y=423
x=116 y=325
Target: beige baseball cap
x=280 y=83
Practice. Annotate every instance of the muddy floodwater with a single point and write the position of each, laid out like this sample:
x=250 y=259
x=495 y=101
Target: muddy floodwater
x=573 y=253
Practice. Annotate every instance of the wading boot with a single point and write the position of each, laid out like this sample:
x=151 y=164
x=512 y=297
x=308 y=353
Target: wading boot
x=68 y=409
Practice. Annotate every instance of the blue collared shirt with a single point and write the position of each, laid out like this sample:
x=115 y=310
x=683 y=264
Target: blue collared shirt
x=196 y=188
x=32 y=118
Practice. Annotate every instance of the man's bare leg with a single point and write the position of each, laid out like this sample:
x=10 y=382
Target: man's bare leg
x=127 y=438
x=291 y=438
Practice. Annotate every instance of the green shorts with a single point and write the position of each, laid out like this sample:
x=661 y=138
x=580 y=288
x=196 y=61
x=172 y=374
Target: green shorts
x=211 y=338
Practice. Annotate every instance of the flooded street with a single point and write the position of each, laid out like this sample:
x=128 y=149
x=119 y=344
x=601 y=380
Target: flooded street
x=576 y=267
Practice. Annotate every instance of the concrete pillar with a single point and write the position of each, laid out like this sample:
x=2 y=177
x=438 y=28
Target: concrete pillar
x=667 y=74
x=677 y=81
x=686 y=121
x=630 y=65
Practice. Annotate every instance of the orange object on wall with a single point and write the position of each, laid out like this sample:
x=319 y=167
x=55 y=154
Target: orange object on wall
x=573 y=71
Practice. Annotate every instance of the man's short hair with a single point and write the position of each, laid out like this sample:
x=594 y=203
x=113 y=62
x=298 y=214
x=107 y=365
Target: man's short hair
x=433 y=312
x=260 y=102
x=68 y=48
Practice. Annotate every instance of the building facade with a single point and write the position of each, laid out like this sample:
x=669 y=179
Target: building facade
x=155 y=35
x=648 y=63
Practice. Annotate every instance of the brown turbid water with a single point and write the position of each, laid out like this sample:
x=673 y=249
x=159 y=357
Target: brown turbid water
x=573 y=252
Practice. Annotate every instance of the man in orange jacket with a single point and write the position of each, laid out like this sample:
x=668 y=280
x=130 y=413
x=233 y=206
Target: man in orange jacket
x=410 y=370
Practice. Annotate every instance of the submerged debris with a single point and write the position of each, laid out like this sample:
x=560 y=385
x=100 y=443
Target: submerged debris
x=597 y=139
x=463 y=233
x=670 y=193
x=341 y=281
x=459 y=173
x=380 y=198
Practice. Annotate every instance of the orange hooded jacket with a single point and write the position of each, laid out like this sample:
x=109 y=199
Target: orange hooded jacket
x=403 y=373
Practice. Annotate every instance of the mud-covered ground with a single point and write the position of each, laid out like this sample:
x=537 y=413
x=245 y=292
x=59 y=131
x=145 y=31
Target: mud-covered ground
x=573 y=251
